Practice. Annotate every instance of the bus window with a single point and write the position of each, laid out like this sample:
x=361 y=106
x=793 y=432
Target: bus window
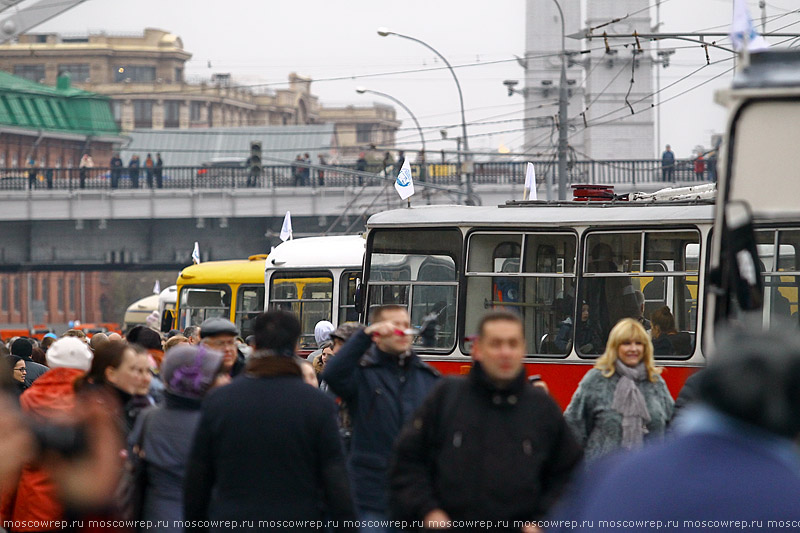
x=347 y=296
x=534 y=278
x=200 y=303
x=418 y=269
x=309 y=295
x=249 y=303
x=613 y=276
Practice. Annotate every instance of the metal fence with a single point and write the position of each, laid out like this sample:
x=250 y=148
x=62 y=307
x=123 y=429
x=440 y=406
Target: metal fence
x=493 y=172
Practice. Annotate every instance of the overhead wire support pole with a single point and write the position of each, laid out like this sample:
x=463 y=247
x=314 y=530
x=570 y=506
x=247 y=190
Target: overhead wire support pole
x=563 y=99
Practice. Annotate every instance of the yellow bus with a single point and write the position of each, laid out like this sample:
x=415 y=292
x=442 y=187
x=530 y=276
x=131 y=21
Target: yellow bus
x=230 y=289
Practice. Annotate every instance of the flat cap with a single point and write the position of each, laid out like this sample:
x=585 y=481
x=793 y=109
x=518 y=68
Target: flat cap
x=217 y=326
x=346 y=330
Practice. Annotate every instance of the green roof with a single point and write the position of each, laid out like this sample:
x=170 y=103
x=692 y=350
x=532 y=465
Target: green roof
x=30 y=105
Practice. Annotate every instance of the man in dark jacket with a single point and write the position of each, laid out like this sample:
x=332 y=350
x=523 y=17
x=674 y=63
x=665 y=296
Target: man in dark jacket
x=383 y=384
x=267 y=446
x=486 y=447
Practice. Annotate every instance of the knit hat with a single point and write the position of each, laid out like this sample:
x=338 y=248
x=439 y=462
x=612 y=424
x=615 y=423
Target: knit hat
x=69 y=352
x=22 y=347
x=189 y=371
x=322 y=331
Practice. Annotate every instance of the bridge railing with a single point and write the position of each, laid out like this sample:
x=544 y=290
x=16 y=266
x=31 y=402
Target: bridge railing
x=487 y=172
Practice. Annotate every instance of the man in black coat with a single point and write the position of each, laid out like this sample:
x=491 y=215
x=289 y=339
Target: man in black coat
x=486 y=447
x=267 y=453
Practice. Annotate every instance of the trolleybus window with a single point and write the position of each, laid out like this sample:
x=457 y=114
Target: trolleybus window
x=418 y=269
x=614 y=286
x=309 y=295
x=249 y=303
x=529 y=274
x=347 y=296
x=198 y=304
x=781 y=274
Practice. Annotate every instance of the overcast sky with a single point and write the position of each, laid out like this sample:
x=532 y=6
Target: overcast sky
x=262 y=42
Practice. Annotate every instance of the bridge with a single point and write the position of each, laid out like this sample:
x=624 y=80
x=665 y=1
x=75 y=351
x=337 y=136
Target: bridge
x=51 y=219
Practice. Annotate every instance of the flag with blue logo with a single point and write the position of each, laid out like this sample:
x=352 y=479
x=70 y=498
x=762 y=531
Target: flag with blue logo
x=196 y=254
x=743 y=31
x=404 y=184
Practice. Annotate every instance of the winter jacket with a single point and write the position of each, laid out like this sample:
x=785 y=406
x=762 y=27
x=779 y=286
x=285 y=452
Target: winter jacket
x=34 y=498
x=482 y=453
x=267 y=448
x=723 y=475
x=381 y=395
x=166 y=434
x=598 y=427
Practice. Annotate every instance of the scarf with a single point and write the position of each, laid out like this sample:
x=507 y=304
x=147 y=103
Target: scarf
x=629 y=402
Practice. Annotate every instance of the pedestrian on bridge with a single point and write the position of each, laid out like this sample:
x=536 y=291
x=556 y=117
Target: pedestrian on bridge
x=116 y=170
x=148 y=166
x=668 y=165
x=133 y=170
x=85 y=164
x=158 y=172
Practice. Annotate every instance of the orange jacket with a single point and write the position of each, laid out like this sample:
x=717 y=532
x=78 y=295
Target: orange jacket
x=34 y=498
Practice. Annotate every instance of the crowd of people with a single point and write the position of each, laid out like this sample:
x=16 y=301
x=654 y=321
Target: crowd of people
x=203 y=430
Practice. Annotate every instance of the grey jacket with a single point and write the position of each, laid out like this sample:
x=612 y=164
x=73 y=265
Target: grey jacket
x=598 y=427
x=168 y=435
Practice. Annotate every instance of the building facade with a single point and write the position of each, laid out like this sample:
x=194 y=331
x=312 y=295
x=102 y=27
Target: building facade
x=47 y=129
x=52 y=298
x=143 y=75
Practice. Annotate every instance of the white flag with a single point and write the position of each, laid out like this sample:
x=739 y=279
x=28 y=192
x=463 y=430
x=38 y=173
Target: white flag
x=157 y=288
x=286 y=229
x=742 y=28
x=404 y=184
x=530 y=183
x=196 y=254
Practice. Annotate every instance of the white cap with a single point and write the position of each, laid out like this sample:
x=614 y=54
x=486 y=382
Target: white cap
x=69 y=352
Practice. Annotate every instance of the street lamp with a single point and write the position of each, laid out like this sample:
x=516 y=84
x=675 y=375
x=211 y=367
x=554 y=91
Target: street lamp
x=562 y=113
x=363 y=90
x=384 y=32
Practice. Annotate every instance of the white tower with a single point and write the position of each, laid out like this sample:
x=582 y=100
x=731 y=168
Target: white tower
x=626 y=135
x=543 y=73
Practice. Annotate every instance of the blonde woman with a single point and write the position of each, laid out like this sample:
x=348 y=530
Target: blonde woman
x=622 y=400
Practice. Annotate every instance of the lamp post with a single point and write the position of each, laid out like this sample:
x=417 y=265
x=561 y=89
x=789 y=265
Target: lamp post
x=562 y=113
x=364 y=90
x=383 y=32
